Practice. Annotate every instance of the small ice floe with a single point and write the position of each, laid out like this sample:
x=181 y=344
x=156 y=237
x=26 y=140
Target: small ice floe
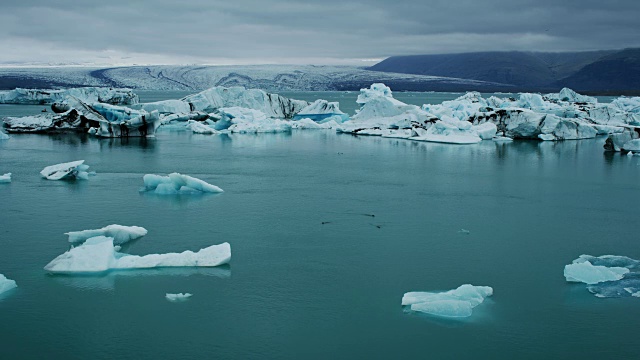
x=6 y=178
x=464 y=231
x=458 y=303
x=120 y=234
x=98 y=255
x=6 y=284
x=4 y=136
x=176 y=183
x=178 y=297
x=607 y=276
x=70 y=170
x=502 y=139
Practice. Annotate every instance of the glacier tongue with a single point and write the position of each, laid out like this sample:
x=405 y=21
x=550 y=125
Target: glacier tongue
x=98 y=254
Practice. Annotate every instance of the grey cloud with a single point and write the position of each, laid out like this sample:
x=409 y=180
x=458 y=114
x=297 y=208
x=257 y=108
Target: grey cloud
x=277 y=30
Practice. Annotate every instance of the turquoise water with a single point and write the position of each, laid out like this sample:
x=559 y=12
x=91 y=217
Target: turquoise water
x=297 y=288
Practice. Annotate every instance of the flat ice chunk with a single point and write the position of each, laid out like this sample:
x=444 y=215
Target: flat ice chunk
x=120 y=234
x=6 y=178
x=177 y=183
x=453 y=303
x=199 y=128
x=70 y=170
x=178 y=296
x=4 y=136
x=6 y=284
x=98 y=254
x=588 y=273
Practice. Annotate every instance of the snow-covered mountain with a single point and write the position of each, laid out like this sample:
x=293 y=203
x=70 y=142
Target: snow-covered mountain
x=265 y=77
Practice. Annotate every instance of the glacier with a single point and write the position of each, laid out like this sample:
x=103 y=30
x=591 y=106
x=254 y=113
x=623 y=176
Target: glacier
x=65 y=171
x=606 y=276
x=457 y=303
x=120 y=234
x=5 y=179
x=99 y=255
x=88 y=94
x=6 y=284
x=176 y=183
x=178 y=296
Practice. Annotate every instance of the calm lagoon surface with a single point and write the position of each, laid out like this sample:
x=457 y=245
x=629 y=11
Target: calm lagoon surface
x=297 y=288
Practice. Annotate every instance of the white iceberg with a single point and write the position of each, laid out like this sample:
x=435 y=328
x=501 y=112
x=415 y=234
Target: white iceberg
x=588 y=273
x=200 y=128
x=456 y=303
x=321 y=111
x=120 y=234
x=5 y=179
x=98 y=254
x=178 y=296
x=6 y=284
x=177 y=183
x=70 y=170
x=87 y=94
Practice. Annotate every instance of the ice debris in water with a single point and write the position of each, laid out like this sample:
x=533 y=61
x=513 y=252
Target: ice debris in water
x=6 y=284
x=4 y=136
x=177 y=183
x=70 y=170
x=178 y=296
x=120 y=234
x=6 y=178
x=607 y=275
x=98 y=254
x=456 y=303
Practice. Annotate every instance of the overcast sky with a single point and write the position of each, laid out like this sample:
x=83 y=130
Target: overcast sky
x=297 y=31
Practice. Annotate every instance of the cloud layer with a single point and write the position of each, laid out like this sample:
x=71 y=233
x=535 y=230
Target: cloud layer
x=296 y=31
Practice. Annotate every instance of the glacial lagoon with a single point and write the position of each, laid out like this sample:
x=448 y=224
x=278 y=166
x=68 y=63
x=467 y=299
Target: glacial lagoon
x=328 y=232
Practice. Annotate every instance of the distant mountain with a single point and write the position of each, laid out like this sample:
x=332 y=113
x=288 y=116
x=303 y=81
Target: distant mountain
x=537 y=71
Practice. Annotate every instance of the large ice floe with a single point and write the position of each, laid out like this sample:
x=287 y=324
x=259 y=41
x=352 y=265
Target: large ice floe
x=98 y=254
x=607 y=275
x=66 y=171
x=5 y=179
x=457 y=303
x=176 y=183
x=87 y=94
x=76 y=115
x=6 y=284
x=120 y=234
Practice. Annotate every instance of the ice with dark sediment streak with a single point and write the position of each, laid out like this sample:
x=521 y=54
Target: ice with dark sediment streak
x=69 y=170
x=606 y=276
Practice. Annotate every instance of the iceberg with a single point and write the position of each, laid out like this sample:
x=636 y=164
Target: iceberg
x=309 y=124
x=200 y=128
x=4 y=136
x=6 y=284
x=607 y=275
x=88 y=94
x=6 y=178
x=272 y=105
x=120 y=234
x=64 y=171
x=321 y=111
x=178 y=296
x=98 y=255
x=456 y=303
x=177 y=183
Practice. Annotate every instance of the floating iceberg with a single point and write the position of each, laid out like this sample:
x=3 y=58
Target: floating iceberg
x=70 y=170
x=4 y=136
x=178 y=296
x=456 y=303
x=321 y=111
x=6 y=284
x=6 y=178
x=120 y=234
x=272 y=105
x=309 y=124
x=177 y=183
x=98 y=254
x=606 y=276
x=200 y=128
x=88 y=94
